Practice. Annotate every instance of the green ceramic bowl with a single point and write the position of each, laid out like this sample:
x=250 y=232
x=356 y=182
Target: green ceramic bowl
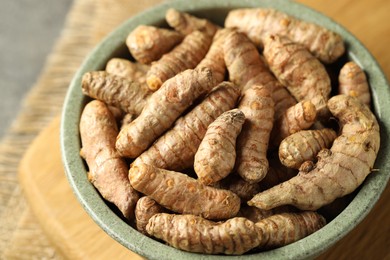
x=215 y=10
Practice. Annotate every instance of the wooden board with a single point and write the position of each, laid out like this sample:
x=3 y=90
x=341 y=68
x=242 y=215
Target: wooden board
x=77 y=236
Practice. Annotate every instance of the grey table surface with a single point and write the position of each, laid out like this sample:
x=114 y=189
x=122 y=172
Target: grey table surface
x=28 y=32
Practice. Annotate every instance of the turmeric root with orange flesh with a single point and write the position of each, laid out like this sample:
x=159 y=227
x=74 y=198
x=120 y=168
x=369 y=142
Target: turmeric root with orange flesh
x=107 y=170
x=285 y=228
x=305 y=76
x=252 y=143
x=353 y=82
x=144 y=210
x=298 y=117
x=218 y=145
x=340 y=170
x=162 y=109
x=185 y=55
x=133 y=71
x=304 y=146
x=214 y=59
x=175 y=150
x=257 y=23
x=113 y=90
x=195 y=234
x=186 y=23
x=183 y=194
x=148 y=43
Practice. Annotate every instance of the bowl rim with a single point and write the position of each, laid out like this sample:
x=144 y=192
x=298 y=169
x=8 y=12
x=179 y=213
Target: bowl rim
x=113 y=225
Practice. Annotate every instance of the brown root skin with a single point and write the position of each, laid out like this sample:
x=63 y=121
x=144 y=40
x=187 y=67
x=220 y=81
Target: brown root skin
x=285 y=228
x=247 y=68
x=127 y=119
x=283 y=100
x=277 y=173
x=175 y=150
x=244 y=63
x=305 y=77
x=252 y=143
x=298 y=117
x=255 y=214
x=185 y=55
x=239 y=186
x=257 y=23
x=149 y=43
x=214 y=59
x=162 y=109
x=144 y=210
x=353 y=82
x=107 y=170
x=340 y=170
x=186 y=23
x=218 y=145
x=183 y=194
x=304 y=146
x=124 y=68
x=234 y=236
x=130 y=96
x=195 y=234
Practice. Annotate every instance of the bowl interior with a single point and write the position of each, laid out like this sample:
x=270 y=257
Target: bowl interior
x=113 y=46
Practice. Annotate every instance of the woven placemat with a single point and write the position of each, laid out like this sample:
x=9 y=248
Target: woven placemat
x=87 y=23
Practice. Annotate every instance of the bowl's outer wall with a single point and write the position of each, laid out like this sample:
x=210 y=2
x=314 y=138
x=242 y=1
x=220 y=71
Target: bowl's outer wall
x=113 y=46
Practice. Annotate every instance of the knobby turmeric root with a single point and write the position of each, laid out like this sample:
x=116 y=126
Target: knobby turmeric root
x=175 y=150
x=285 y=228
x=304 y=75
x=234 y=236
x=185 y=55
x=183 y=194
x=218 y=145
x=283 y=100
x=304 y=146
x=186 y=23
x=149 y=43
x=244 y=63
x=247 y=68
x=353 y=82
x=252 y=143
x=195 y=234
x=257 y=23
x=214 y=59
x=162 y=109
x=133 y=71
x=113 y=90
x=144 y=210
x=298 y=117
x=340 y=170
x=107 y=169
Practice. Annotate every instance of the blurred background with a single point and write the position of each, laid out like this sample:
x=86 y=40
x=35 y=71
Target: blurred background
x=28 y=31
